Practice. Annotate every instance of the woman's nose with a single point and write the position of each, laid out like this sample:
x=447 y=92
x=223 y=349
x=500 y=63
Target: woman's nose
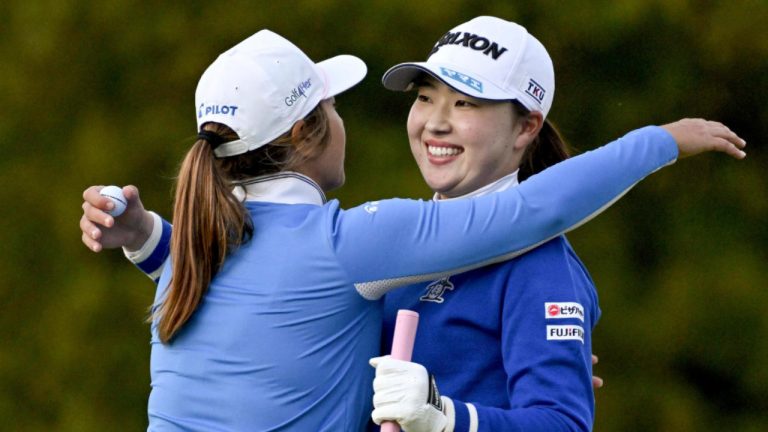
x=438 y=121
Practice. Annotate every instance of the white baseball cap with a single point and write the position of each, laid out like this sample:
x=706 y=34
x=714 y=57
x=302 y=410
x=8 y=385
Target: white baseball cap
x=265 y=84
x=486 y=58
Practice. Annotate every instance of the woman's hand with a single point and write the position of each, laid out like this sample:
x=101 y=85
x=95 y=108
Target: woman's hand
x=694 y=136
x=103 y=231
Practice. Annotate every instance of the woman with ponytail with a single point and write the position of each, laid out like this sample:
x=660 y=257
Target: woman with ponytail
x=210 y=221
x=266 y=309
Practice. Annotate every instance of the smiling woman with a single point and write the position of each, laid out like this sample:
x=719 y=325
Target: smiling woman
x=462 y=143
x=478 y=127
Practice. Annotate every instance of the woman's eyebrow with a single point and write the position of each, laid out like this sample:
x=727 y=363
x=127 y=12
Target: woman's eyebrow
x=424 y=81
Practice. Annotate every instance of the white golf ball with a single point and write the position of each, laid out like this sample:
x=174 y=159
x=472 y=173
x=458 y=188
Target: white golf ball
x=115 y=194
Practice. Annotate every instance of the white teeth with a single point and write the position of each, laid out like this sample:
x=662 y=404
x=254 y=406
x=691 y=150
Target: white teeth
x=443 y=151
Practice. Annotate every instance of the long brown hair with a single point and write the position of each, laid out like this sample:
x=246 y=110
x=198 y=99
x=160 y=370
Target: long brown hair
x=547 y=149
x=209 y=222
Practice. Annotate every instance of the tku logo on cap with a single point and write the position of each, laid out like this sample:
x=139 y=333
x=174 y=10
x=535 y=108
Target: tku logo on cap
x=535 y=90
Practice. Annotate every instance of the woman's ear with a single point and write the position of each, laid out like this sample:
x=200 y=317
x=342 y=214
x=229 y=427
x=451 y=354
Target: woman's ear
x=530 y=125
x=297 y=132
x=301 y=142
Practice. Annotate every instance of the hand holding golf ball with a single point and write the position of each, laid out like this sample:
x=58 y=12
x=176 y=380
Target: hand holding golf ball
x=123 y=223
x=115 y=194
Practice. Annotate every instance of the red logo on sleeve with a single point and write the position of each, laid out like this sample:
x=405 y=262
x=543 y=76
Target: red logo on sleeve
x=563 y=310
x=554 y=310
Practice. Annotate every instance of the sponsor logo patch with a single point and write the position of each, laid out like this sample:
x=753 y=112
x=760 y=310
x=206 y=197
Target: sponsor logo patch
x=472 y=41
x=204 y=110
x=535 y=90
x=562 y=310
x=299 y=91
x=436 y=290
x=565 y=332
x=372 y=207
x=462 y=78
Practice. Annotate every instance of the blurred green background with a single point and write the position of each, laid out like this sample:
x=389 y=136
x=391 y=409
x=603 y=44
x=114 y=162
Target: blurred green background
x=102 y=93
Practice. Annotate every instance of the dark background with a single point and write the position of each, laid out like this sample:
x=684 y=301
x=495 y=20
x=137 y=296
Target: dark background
x=102 y=93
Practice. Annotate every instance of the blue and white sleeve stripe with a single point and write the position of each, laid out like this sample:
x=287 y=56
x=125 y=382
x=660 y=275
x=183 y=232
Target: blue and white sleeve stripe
x=462 y=417
x=150 y=258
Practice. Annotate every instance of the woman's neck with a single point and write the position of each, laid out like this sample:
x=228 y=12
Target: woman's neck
x=499 y=185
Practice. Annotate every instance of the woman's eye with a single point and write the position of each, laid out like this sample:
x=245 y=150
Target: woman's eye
x=464 y=103
x=422 y=98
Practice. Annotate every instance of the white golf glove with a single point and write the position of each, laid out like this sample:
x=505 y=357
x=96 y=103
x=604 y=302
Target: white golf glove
x=404 y=392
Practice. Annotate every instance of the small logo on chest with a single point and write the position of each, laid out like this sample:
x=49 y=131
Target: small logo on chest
x=436 y=290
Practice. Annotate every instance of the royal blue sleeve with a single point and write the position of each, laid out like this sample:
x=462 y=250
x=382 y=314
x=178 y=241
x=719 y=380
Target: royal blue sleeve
x=549 y=309
x=391 y=243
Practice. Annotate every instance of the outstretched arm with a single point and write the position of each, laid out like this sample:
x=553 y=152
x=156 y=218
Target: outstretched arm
x=409 y=242
x=133 y=229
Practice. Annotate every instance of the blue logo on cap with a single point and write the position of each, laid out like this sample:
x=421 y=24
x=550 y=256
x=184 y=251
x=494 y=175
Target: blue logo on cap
x=298 y=92
x=216 y=109
x=462 y=78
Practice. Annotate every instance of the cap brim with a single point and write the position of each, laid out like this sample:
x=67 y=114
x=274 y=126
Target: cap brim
x=341 y=73
x=400 y=77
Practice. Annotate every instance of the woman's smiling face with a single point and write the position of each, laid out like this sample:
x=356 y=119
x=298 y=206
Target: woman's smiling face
x=461 y=143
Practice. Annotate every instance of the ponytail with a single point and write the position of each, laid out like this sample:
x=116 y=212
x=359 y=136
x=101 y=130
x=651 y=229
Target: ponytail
x=547 y=149
x=209 y=222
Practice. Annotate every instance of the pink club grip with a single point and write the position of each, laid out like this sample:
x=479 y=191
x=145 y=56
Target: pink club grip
x=402 y=347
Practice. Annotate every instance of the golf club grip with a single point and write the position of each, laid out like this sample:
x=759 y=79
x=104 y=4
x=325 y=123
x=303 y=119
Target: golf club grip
x=402 y=347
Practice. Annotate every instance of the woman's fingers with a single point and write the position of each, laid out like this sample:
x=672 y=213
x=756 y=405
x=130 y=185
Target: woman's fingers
x=730 y=147
x=97 y=215
x=91 y=234
x=597 y=382
x=89 y=228
x=695 y=136
x=94 y=198
x=91 y=243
